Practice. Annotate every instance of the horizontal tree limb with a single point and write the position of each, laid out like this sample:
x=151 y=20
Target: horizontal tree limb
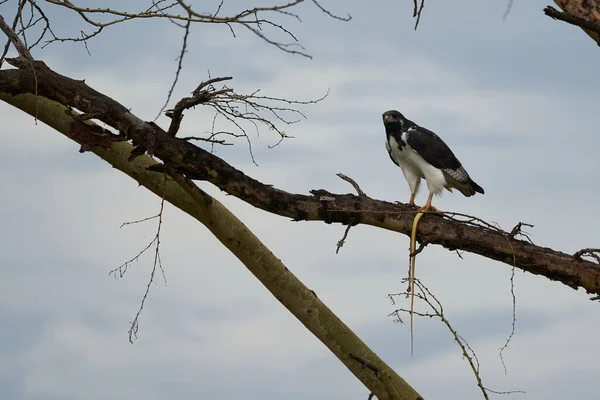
x=321 y=205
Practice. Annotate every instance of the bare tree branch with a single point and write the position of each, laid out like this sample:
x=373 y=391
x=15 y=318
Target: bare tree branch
x=572 y=19
x=15 y=40
x=425 y=295
x=121 y=270
x=353 y=183
x=342 y=241
x=468 y=234
x=179 y=66
x=203 y=93
x=235 y=236
x=258 y=20
x=508 y=9
x=514 y=319
x=345 y=19
x=417 y=13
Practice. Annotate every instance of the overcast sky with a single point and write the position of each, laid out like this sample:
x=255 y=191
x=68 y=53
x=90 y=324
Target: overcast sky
x=515 y=99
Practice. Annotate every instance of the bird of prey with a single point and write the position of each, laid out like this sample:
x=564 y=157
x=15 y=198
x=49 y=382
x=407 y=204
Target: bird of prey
x=420 y=153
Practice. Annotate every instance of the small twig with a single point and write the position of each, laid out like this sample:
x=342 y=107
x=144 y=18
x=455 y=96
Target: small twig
x=204 y=84
x=16 y=41
x=341 y=242
x=208 y=140
x=202 y=94
x=14 y=27
x=139 y=221
x=514 y=318
x=396 y=313
x=345 y=19
x=157 y=264
x=353 y=183
x=588 y=252
x=509 y=239
x=133 y=330
x=24 y=54
x=179 y=66
x=418 y=13
x=517 y=230
x=419 y=249
x=471 y=351
x=506 y=391
x=508 y=9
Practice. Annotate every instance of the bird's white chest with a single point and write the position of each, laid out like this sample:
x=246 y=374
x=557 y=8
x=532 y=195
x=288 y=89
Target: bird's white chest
x=414 y=166
x=405 y=155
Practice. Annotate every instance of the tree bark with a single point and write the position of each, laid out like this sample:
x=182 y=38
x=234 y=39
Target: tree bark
x=302 y=302
x=588 y=10
x=196 y=163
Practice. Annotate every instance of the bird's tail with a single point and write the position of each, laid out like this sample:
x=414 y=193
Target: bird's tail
x=476 y=187
x=468 y=188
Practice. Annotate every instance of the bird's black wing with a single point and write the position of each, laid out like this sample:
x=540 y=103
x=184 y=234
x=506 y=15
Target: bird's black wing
x=389 y=150
x=432 y=148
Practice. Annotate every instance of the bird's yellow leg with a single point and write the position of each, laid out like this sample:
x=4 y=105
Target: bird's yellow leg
x=428 y=206
x=411 y=202
x=411 y=277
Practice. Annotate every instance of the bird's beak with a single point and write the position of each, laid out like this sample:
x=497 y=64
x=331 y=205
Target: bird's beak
x=386 y=117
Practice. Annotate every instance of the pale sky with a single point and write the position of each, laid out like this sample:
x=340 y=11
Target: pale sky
x=515 y=99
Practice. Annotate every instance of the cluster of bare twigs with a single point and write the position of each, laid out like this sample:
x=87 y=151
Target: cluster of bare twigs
x=437 y=311
x=237 y=109
x=258 y=20
x=121 y=270
x=253 y=108
x=516 y=231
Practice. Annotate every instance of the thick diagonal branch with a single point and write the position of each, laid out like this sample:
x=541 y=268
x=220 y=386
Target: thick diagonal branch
x=233 y=234
x=197 y=163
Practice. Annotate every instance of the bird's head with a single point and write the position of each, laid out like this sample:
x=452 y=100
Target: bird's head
x=393 y=117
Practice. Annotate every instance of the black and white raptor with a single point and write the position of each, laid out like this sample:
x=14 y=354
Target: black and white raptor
x=420 y=153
